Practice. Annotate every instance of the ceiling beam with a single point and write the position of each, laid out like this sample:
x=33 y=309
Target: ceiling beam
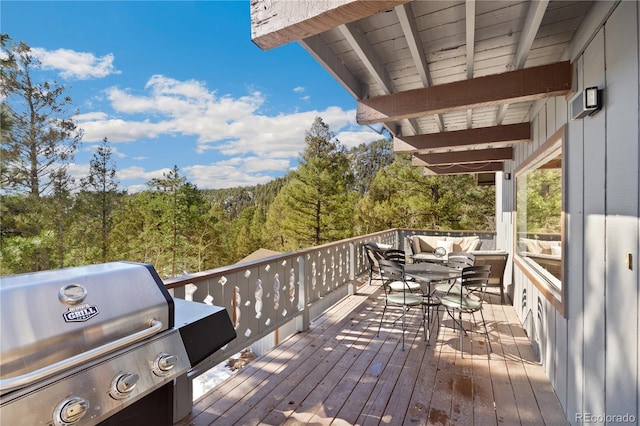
x=275 y=23
x=527 y=36
x=463 y=138
x=463 y=157
x=364 y=51
x=524 y=85
x=462 y=169
x=331 y=62
x=470 y=29
x=529 y=31
x=412 y=36
x=410 y=31
x=372 y=63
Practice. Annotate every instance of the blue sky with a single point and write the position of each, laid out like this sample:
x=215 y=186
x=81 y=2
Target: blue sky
x=181 y=83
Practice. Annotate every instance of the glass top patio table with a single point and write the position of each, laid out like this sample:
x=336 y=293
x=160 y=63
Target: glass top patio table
x=430 y=272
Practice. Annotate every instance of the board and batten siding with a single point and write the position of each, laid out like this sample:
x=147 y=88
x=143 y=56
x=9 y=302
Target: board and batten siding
x=591 y=351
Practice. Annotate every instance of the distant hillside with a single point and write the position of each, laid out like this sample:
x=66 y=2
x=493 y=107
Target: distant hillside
x=366 y=160
x=234 y=200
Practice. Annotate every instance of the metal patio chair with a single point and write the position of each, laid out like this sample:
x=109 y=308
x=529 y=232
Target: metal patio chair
x=464 y=302
x=393 y=275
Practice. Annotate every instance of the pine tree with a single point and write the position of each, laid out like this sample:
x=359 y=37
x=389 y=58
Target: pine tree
x=40 y=142
x=59 y=204
x=39 y=139
x=179 y=223
x=103 y=185
x=317 y=203
x=401 y=196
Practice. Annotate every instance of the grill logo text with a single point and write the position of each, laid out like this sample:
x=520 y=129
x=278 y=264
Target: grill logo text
x=80 y=313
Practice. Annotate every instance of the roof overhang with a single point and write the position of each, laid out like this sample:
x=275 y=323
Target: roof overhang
x=455 y=82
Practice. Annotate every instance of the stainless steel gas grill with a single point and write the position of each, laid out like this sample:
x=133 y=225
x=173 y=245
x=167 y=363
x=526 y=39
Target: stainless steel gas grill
x=90 y=345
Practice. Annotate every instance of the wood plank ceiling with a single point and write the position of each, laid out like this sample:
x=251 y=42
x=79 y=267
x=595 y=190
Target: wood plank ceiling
x=454 y=82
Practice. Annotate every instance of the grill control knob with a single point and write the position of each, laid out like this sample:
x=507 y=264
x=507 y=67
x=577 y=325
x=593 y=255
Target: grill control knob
x=163 y=364
x=123 y=384
x=70 y=411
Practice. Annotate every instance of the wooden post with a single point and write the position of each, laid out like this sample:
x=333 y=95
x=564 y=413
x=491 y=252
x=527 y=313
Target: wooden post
x=352 y=286
x=302 y=320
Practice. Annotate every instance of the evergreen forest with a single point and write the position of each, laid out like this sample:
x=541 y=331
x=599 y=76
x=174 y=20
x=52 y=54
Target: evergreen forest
x=48 y=220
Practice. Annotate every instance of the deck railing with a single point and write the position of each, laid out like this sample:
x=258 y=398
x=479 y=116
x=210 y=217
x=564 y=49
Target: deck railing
x=262 y=295
x=270 y=294
x=272 y=298
x=275 y=296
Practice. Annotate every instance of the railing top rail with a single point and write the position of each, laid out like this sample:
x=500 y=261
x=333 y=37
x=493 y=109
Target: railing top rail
x=180 y=281
x=192 y=278
x=446 y=231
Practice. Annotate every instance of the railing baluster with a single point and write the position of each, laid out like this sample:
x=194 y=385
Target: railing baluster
x=302 y=319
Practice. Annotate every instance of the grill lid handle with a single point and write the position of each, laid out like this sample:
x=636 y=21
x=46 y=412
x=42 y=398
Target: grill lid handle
x=48 y=371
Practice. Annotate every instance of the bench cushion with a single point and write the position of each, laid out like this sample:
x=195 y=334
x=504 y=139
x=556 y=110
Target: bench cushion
x=428 y=243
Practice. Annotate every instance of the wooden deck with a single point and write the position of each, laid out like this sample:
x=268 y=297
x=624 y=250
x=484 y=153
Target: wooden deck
x=339 y=372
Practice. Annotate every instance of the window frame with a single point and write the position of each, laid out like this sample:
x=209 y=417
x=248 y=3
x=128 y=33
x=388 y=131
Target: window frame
x=556 y=296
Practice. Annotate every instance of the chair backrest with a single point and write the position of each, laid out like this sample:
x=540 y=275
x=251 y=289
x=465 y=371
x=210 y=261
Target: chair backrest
x=476 y=277
x=373 y=256
x=460 y=259
x=391 y=271
x=395 y=255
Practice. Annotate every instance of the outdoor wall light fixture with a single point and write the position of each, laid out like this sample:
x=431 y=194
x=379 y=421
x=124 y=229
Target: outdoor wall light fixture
x=586 y=103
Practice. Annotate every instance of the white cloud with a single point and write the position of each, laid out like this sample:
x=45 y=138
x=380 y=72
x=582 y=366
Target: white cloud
x=254 y=164
x=353 y=139
x=115 y=153
x=256 y=146
x=78 y=171
x=136 y=173
x=221 y=176
x=75 y=65
x=92 y=116
x=235 y=172
x=119 y=130
x=133 y=189
x=298 y=89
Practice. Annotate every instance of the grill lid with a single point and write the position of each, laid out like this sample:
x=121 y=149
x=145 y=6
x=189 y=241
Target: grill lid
x=56 y=319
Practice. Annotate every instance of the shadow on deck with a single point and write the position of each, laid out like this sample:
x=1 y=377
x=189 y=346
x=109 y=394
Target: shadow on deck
x=340 y=372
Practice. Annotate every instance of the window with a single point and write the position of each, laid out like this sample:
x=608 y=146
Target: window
x=540 y=218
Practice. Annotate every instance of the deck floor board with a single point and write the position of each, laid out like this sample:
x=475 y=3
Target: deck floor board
x=341 y=372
